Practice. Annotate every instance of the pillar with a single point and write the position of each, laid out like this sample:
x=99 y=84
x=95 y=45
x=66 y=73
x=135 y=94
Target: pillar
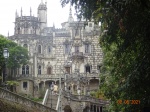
x=35 y=65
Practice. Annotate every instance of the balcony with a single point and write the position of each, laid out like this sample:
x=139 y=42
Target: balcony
x=77 y=55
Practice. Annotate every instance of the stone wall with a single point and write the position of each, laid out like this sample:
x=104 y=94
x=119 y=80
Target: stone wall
x=22 y=100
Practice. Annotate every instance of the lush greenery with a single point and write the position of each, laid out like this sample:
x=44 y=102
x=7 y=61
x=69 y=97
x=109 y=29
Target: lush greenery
x=17 y=56
x=125 y=42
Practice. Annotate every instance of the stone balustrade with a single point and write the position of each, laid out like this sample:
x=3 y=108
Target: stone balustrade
x=84 y=98
x=5 y=94
x=88 y=75
x=24 y=76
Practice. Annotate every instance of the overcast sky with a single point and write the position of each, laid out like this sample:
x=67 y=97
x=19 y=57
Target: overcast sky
x=56 y=14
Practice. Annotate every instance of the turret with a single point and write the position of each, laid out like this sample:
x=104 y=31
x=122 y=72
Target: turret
x=21 y=11
x=42 y=14
x=70 y=19
x=30 y=11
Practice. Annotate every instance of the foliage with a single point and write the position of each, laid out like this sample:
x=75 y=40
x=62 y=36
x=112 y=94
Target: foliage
x=125 y=43
x=17 y=55
x=12 y=83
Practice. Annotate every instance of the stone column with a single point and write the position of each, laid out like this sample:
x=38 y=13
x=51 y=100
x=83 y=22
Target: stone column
x=72 y=89
x=44 y=85
x=35 y=65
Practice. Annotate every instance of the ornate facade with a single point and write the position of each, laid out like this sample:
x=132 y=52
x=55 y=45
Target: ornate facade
x=54 y=52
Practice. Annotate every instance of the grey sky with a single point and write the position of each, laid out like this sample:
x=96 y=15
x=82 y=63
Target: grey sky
x=56 y=14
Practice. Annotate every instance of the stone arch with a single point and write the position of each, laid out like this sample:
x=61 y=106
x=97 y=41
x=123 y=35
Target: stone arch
x=67 y=108
x=86 y=109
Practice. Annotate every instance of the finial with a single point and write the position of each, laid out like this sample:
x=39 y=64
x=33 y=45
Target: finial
x=8 y=33
x=16 y=15
x=21 y=11
x=70 y=19
x=45 y=2
x=53 y=25
x=30 y=11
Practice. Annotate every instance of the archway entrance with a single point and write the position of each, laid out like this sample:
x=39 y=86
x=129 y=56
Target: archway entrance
x=67 y=109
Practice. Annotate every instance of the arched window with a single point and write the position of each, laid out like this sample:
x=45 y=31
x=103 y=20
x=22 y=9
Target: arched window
x=23 y=69
x=49 y=49
x=88 y=69
x=49 y=70
x=27 y=69
x=39 y=48
x=87 y=48
x=39 y=69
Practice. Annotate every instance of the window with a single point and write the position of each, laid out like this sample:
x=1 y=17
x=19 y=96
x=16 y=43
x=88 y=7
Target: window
x=25 y=85
x=39 y=69
x=27 y=69
x=67 y=69
x=76 y=49
x=67 y=48
x=88 y=69
x=23 y=69
x=49 y=49
x=98 y=68
x=39 y=48
x=49 y=70
x=87 y=48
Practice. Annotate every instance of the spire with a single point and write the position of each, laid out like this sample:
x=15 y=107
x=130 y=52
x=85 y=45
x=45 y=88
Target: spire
x=21 y=11
x=8 y=33
x=45 y=2
x=30 y=11
x=53 y=25
x=70 y=19
x=16 y=14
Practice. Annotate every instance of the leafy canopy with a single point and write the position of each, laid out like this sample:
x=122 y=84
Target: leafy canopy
x=125 y=42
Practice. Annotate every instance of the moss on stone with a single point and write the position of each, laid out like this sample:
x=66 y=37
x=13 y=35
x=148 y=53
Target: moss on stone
x=8 y=106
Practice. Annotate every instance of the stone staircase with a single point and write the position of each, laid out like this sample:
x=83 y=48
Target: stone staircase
x=52 y=100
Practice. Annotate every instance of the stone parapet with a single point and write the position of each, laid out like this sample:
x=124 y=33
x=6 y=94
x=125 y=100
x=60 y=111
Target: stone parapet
x=24 y=101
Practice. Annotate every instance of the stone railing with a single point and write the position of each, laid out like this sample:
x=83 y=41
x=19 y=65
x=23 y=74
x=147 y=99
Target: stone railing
x=84 y=98
x=77 y=55
x=24 y=76
x=56 y=76
x=48 y=76
x=5 y=94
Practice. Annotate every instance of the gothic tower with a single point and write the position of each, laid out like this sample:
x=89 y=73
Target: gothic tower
x=42 y=14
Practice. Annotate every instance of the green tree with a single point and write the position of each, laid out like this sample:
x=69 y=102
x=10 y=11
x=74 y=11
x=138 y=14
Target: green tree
x=17 y=56
x=125 y=43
